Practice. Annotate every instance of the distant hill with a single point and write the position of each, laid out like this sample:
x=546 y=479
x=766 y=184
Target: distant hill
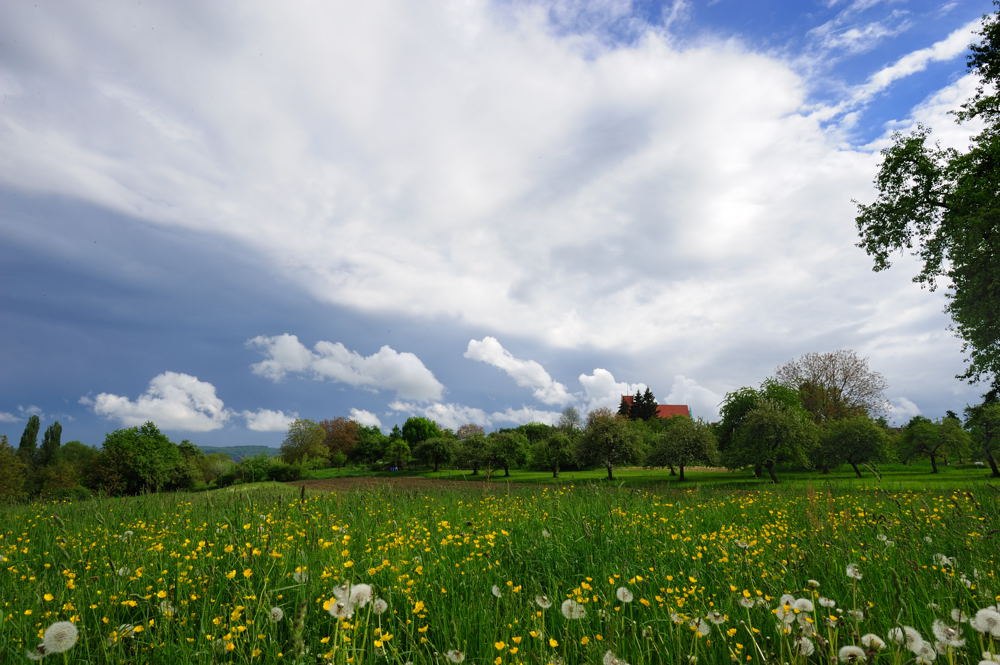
x=238 y=453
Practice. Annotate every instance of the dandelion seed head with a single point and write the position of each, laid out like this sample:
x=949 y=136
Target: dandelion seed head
x=611 y=659
x=495 y=590
x=805 y=646
x=60 y=637
x=853 y=571
x=543 y=602
x=455 y=656
x=624 y=595
x=572 y=609
x=872 y=641
x=379 y=606
x=276 y=614
x=987 y=621
x=803 y=605
x=851 y=654
x=826 y=602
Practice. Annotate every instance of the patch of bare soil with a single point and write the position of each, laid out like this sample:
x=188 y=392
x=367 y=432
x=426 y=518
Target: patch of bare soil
x=405 y=483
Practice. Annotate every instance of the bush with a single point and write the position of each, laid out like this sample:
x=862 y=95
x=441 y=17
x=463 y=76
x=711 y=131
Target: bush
x=283 y=472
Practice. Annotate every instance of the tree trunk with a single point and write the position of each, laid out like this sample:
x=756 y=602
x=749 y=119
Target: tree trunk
x=856 y=471
x=770 y=471
x=993 y=464
x=610 y=477
x=475 y=470
x=934 y=468
x=680 y=479
x=435 y=466
x=758 y=471
x=672 y=472
x=825 y=468
x=555 y=470
x=506 y=472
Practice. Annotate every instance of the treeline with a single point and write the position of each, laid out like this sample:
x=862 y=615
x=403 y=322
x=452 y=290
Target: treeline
x=132 y=460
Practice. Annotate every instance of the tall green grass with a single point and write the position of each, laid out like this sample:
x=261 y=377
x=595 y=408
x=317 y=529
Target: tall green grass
x=193 y=578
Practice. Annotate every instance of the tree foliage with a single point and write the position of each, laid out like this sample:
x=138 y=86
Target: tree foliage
x=435 y=451
x=608 y=441
x=855 y=440
x=304 y=442
x=682 y=441
x=922 y=437
x=342 y=435
x=27 y=448
x=12 y=472
x=51 y=441
x=417 y=429
x=505 y=449
x=552 y=453
x=983 y=421
x=834 y=385
x=138 y=459
x=943 y=205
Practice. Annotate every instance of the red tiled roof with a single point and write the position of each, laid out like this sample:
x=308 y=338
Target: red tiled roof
x=663 y=410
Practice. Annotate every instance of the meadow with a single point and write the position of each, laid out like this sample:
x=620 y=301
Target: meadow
x=492 y=574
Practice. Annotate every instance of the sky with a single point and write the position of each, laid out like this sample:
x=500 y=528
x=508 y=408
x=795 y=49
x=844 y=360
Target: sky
x=224 y=216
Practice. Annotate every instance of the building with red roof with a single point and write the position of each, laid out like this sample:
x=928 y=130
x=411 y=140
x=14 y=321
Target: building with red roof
x=663 y=410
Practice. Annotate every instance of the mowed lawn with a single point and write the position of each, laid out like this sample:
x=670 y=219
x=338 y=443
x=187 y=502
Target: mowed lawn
x=815 y=570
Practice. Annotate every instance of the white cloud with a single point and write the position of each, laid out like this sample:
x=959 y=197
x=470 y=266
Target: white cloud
x=453 y=416
x=704 y=402
x=952 y=46
x=901 y=410
x=268 y=420
x=465 y=163
x=365 y=418
x=526 y=373
x=8 y=417
x=601 y=390
x=386 y=369
x=173 y=401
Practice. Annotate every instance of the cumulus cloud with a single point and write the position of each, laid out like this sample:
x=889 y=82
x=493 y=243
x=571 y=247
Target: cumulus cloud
x=386 y=369
x=453 y=416
x=268 y=420
x=365 y=418
x=526 y=373
x=174 y=401
x=8 y=417
x=704 y=402
x=601 y=390
x=901 y=410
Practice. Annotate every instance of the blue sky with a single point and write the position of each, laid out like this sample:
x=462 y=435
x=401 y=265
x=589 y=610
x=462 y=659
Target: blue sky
x=222 y=218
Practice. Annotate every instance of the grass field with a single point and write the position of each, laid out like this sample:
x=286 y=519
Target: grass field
x=587 y=573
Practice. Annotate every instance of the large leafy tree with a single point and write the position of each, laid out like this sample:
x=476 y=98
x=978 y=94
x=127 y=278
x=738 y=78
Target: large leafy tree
x=51 y=441
x=470 y=451
x=138 y=459
x=771 y=434
x=505 y=449
x=342 y=436
x=417 y=429
x=435 y=451
x=608 y=440
x=922 y=437
x=944 y=206
x=983 y=421
x=12 y=471
x=855 y=440
x=834 y=385
x=682 y=441
x=304 y=442
x=553 y=452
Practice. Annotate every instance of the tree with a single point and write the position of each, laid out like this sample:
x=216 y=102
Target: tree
x=304 y=442
x=983 y=421
x=772 y=433
x=552 y=452
x=505 y=449
x=644 y=405
x=683 y=441
x=469 y=452
x=26 y=449
x=921 y=437
x=138 y=459
x=342 y=436
x=12 y=471
x=855 y=440
x=569 y=420
x=943 y=205
x=735 y=409
x=835 y=385
x=417 y=429
x=51 y=441
x=608 y=441
x=397 y=453
x=370 y=447
x=435 y=451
